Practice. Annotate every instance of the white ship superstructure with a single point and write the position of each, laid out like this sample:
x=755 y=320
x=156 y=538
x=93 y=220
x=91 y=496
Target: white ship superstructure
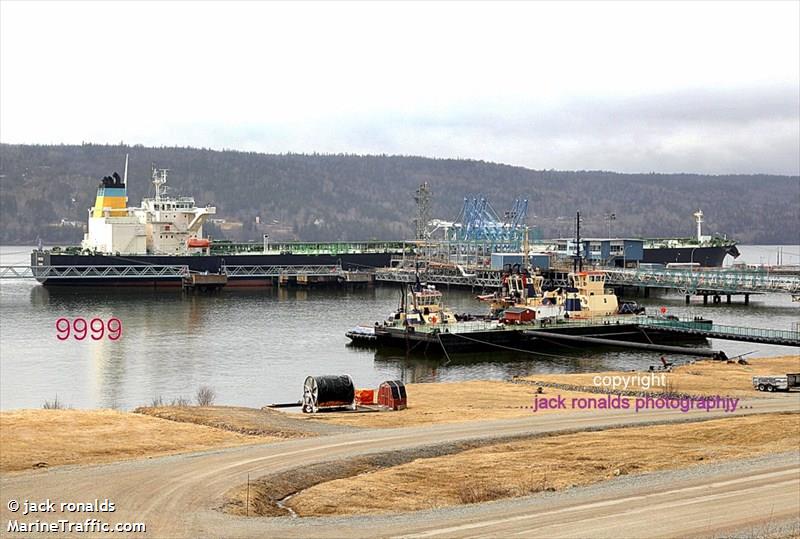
x=162 y=225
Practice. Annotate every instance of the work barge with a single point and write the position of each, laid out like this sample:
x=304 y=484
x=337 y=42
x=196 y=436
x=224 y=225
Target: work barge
x=629 y=331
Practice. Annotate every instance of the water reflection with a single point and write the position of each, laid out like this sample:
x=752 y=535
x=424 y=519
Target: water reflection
x=255 y=346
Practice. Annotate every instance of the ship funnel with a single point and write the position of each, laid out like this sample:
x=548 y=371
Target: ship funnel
x=112 y=196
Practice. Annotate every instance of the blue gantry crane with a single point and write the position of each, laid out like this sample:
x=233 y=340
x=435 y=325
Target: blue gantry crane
x=481 y=223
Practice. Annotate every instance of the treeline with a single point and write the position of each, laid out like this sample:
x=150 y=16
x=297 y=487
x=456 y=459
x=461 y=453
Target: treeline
x=350 y=197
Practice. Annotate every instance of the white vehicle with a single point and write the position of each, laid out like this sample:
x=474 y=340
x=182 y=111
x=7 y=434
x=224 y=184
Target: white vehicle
x=776 y=383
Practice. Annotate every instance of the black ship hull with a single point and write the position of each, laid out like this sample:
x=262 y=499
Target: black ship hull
x=707 y=257
x=199 y=263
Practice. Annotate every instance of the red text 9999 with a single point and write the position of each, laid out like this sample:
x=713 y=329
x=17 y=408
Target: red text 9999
x=96 y=328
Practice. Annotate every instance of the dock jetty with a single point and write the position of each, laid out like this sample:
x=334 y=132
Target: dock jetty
x=653 y=333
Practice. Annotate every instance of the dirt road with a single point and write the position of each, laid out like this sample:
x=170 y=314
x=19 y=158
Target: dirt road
x=178 y=496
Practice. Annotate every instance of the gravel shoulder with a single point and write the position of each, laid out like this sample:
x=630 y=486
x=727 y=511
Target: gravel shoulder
x=250 y=421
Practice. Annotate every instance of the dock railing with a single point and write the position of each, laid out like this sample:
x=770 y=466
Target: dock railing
x=708 y=280
x=93 y=272
x=705 y=328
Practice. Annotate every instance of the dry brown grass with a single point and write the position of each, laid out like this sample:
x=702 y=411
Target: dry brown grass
x=552 y=463
x=39 y=438
x=703 y=377
x=475 y=400
x=250 y=421
x=264 y=493
x=451 y=402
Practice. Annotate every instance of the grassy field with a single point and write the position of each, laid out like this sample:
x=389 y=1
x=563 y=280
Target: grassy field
x=550 y=463
x=39 y=438
x=32 y=439
x=468 y=401
x=449 y=402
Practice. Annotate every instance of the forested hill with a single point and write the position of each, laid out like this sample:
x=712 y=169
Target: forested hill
x=332 y=197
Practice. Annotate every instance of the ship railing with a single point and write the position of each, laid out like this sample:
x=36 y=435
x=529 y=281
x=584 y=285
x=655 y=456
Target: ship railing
x=462 y=327
x=328 y=248
x=496 y=325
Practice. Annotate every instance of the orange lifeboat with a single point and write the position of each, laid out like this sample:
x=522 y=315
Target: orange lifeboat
x=198 y=243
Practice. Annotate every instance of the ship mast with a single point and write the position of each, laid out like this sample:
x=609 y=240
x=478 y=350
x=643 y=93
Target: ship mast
x=125 y=176
x=698 y=216
x=159 y=179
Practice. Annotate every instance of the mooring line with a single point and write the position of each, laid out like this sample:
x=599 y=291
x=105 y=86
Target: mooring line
x=515 y=349
x=439 y=336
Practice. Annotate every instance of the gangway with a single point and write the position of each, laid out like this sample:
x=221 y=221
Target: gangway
x=784 y=337
x=93 y=272
x=146 y=271
x=279 y=271
x=707 y=281
x=476 y=279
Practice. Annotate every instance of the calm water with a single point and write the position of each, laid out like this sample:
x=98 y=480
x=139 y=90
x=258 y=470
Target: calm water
x=256 y=347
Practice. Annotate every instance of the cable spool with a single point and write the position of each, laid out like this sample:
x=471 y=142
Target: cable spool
x=327 y=392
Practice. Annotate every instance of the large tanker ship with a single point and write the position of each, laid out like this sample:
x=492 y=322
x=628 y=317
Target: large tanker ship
x=166 y=233
x=705 y=251
x=709 y=254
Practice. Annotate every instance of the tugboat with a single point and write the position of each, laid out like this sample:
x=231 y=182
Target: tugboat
x=420 y=305
x=523 y=298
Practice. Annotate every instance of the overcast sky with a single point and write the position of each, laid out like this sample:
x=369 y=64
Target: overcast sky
x=630 y=87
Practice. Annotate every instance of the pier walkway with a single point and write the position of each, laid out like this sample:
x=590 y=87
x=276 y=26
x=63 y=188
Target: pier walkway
x=93 y=272
x=704 y=281
x=143 y=271
x=482 y=278
x=716 y=331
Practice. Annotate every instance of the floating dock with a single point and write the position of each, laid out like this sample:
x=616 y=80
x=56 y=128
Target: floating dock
x=491 y=334
x=657 y=334
x=204 y=282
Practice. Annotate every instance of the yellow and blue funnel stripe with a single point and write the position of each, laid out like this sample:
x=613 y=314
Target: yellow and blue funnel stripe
x=115 y=198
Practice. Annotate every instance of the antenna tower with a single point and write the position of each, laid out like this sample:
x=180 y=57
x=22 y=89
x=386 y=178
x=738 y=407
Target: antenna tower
x=422 y=197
